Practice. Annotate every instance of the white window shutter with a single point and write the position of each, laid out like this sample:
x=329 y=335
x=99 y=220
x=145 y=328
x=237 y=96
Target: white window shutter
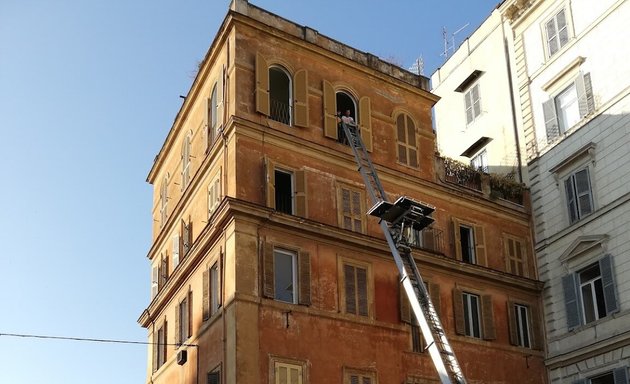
x=175 y=251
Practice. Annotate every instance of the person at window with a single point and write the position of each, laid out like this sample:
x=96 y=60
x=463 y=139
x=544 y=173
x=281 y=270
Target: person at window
x=348 y=119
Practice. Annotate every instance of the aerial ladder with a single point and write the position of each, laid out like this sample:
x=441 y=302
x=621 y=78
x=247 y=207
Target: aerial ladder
x=397 y=220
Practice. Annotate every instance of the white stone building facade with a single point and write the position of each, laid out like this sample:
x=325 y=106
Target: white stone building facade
x=573 y=81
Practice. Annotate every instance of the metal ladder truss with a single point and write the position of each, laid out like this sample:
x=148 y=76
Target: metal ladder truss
x=395 y=220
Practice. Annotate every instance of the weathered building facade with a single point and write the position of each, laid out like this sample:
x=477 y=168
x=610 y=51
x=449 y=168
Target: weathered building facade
x=265 y=267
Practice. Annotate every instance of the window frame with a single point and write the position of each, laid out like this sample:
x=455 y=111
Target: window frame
x=292 y=192
x=294 y=274
x=163 y=202
x=478 y=241
x=183 y=319
x=570 y=184
x=160 y=344
x=470 y=102
x=554 y=19
x=523 y=325
x=214 y=193
x=360 y=374
x=289 y=102
x=276 y=362
x=355 y=214
x=573 y=299
x=213 y=120
x=472 y=329
x=482 y=158
x=512 y=261
x=410 y=148
x=344 y=288
x=554 y=123
x=302 y=286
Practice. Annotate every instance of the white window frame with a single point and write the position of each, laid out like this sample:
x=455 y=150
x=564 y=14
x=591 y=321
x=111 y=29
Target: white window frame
x=294 y=274
x=212 y=123
x=523 y=325
x=469 y=317
x=214 y=194
x=470 y=102
x=163 y=202
x=556 y=32
x=215 y=289
x=480 y=161
x=590 y=285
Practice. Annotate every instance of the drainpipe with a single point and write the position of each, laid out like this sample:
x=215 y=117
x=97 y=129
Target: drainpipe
x=512 y=103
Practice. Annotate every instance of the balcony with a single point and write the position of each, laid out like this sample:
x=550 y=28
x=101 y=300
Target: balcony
x=430 y=239
x=459 y=173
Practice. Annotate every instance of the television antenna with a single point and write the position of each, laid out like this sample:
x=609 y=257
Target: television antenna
x=418 y=66
x=445 y=38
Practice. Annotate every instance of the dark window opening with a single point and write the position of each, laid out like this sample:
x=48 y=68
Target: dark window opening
x=279 y=95
x=605 y=379
x=284 y=192
x=467 y=243
x=346 y=107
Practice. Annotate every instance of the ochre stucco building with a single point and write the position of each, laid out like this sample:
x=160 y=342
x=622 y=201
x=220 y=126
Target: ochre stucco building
x=265 y=266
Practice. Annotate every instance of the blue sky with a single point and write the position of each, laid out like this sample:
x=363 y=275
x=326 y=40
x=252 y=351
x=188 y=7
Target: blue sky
x=88 y=91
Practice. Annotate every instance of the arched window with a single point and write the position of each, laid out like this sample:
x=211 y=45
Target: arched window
x=406 y=141
x=347 y=107
x=186 y=162
x=279 y=95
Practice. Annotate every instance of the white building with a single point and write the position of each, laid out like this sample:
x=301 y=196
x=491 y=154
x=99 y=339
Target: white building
x=477 y=119
x=573 y=73
x=571 y=83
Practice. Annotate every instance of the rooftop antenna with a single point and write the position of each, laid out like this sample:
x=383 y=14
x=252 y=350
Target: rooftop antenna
x=418 y=66
x=445 y=39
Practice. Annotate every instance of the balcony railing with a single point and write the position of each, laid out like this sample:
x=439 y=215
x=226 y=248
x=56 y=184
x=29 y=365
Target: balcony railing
x=430 y=239
x=280 y=111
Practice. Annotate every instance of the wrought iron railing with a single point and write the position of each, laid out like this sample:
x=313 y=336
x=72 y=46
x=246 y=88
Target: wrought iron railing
x=280 y=111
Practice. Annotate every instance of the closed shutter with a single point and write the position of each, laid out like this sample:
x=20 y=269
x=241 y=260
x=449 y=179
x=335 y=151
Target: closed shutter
x=551 y=120
x=156 y=346
x=220 y=105
x=487 y=311
x=262 y=85
x=163 y=272
x=208 y=122
x=178 y=333
x=428 y=239
x=357 y=212
x=458 y=240
x=330 y=105
x=304 y=274
x=571 y=201
x=468 y=105
x=512 y=322
x=300 y=193
x=365 y=122
x=608 y=281
x=480 y=245
x=350 y=288
x=287 y=373
x=571 y=303
x=536 y=327
x=206 y=295
x=270 y=183
x=175 y=251
x=268 y=271
x=300 y=90
x=458 y=311
x=214 y=378
x=620 y=375
x=362 y=291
